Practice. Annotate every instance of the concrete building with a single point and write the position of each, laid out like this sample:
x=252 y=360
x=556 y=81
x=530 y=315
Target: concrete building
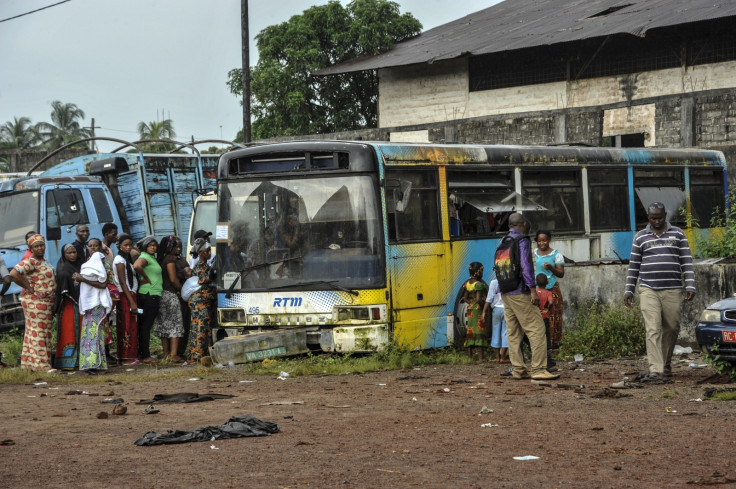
x=603 y=72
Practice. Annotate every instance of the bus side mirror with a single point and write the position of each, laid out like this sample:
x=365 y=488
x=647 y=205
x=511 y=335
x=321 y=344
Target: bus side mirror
x=53 y=234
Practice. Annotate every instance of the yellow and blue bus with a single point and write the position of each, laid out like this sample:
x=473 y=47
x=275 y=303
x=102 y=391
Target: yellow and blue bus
x=346 y=246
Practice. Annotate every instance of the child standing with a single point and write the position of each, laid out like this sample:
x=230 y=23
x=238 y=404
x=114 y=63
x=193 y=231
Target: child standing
x=545 y=302
x=474 y=294
x=498 y=332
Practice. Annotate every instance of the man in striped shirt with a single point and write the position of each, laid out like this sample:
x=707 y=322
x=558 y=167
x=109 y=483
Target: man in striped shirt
x=660 y=259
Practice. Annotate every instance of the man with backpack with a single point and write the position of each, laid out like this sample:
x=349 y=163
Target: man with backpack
x=515 y=274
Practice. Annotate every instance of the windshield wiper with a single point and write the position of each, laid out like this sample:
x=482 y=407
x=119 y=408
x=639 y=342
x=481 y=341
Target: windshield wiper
x=330 y=283
x=229 y=292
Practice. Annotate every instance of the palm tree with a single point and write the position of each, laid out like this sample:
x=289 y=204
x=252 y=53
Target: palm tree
x=157 y=130
x=65 y=125
x=19 y=133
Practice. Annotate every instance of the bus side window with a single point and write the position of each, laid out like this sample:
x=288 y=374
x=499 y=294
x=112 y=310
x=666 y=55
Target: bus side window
x=412 y=205
x=65 y=207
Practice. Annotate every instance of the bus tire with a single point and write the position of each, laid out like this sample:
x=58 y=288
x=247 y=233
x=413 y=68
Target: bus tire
x=460 y=320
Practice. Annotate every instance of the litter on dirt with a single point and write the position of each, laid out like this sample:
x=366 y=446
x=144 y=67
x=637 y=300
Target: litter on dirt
x=183 y=397
x=236 y=427
x=527 y=457
x=281 y=403
x=118 y=400
x=607 y=393
x=119 y=410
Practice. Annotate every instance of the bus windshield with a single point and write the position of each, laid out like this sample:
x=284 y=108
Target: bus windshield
x=19 y=215
x=311 y=232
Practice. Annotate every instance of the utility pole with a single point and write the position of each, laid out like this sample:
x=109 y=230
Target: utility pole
x=246 y=70
x=93 y=144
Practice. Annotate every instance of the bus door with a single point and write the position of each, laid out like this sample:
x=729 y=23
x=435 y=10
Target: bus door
x=416 y=258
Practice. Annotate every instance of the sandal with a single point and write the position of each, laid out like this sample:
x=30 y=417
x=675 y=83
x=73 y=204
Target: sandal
x=149 y=360
x=151 y=410
x=133 y=362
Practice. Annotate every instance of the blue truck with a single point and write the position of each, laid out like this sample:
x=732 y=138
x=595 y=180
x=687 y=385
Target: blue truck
x=142 y=193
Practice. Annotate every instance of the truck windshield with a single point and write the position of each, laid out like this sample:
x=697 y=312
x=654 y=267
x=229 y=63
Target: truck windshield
x=204 y=218
x=19 y=215
x=302 y=231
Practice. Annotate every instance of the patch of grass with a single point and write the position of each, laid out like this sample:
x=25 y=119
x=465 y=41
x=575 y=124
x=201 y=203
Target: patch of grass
x=719 y=366
x=392 y=358
x=669 y=393
x=724 y=396
x=11 y=346
x=604 y=330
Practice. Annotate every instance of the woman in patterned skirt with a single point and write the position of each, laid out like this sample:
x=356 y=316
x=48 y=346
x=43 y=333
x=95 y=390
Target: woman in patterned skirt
x=95 y=304
x=202 y=304
x=36 y=275
x=127 y=282
x=475 y=291
x=169 y=324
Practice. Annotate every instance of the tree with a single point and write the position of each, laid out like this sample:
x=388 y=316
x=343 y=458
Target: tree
x=65 y=125
x=157 y=130
x=287 y=100
x=19 y=133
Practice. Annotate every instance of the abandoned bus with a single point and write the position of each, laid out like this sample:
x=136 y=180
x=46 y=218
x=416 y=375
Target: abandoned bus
x=345 y=246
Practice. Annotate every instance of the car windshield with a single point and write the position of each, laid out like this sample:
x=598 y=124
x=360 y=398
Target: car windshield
x=18 y=214
x=278 y=233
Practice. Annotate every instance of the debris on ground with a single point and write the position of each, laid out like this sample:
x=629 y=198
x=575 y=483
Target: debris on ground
x=183 y=397
x=119 y=410
x=608 y=393
x=713 y=391
x=236 y=427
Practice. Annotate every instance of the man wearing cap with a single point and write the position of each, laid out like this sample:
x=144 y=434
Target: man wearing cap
x=660 y=259
x=194 y=259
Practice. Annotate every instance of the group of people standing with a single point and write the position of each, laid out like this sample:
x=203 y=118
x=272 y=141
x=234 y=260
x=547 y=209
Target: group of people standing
x=540 y=271
x=661 y=264
x=135 y=291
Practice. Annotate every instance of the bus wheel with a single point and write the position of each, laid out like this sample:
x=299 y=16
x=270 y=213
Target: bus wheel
x=460 y=321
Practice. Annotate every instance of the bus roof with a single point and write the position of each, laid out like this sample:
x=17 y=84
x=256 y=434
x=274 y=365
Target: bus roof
x=469 y=154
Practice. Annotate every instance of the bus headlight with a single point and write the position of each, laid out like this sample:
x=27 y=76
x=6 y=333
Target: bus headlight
x=232 y=315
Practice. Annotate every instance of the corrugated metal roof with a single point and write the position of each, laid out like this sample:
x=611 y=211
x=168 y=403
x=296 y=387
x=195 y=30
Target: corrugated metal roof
x=517 y=24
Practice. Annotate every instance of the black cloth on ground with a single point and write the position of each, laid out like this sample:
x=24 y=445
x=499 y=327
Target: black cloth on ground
x=236 y=427
x=183 y=397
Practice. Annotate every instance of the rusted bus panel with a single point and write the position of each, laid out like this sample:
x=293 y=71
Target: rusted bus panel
x=162 y=214
x=131 y=194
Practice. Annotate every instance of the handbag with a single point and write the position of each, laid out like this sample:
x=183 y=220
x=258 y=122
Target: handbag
x=190 y=286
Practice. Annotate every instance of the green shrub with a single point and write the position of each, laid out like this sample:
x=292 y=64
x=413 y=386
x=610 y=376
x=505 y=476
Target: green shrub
x=602 y=330
x=11 y=346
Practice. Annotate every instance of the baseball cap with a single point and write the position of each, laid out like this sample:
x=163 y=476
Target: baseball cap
x=202 y=234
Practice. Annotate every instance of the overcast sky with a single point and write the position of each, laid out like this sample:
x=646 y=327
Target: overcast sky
x=127 y=61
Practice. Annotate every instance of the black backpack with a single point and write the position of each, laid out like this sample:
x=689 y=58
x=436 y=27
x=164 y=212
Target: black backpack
x=507 y=263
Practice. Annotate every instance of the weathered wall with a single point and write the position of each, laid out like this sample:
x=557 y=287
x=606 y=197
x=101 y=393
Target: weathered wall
x=605 y=283
x=422 y=94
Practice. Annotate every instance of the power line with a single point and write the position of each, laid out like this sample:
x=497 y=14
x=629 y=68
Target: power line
x=34 y=11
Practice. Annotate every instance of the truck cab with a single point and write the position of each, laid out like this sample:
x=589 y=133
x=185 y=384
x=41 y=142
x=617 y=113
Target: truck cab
x=53 y=207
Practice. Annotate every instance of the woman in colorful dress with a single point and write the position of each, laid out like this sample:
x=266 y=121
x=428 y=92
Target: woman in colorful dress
x=127 y=307
x=94 y=304
x=475 y=291
x=96 y=245
x=66 y=310
x=36 y=276
x=149 y=294
x=551 y=263
x=202 y=304
x=169 y=324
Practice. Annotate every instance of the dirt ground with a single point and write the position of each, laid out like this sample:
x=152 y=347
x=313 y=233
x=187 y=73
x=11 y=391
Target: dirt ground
x=409 y=428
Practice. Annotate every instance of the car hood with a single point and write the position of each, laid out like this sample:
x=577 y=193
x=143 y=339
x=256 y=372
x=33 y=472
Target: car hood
x=727 y=303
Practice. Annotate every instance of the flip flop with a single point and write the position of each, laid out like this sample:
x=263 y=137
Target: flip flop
x=151 y=410
x=134 y=362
